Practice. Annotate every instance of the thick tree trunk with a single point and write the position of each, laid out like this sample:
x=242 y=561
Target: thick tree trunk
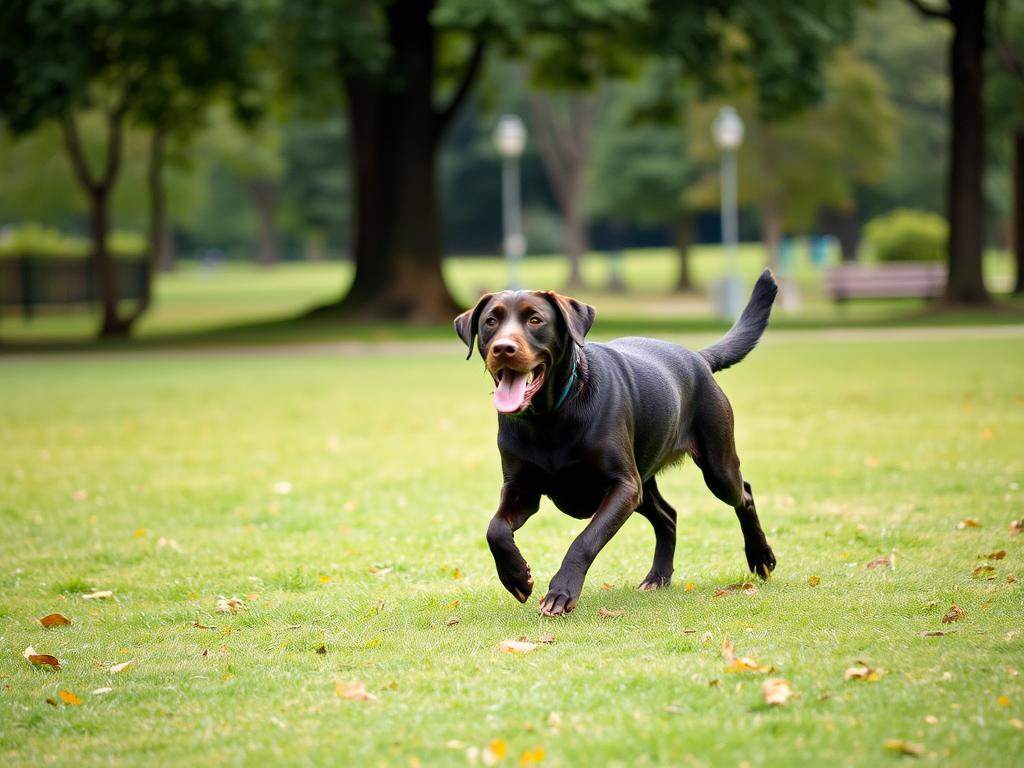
x=682 y=236
x=1018 y=208
x=845 y=225
x=263 y=194
x=104 y=268
x=966 y=201
x=396 y=132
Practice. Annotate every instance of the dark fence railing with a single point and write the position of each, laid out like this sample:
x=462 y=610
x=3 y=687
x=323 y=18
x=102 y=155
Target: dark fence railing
x=31 y=282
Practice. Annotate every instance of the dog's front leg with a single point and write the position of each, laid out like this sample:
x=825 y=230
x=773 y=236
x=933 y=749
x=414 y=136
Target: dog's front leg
x=566 y=586
x=514 y=509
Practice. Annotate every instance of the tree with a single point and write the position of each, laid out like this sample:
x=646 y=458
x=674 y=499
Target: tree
x=406 y=66
x=965 y=200
x=641 y=170
x=121 y=59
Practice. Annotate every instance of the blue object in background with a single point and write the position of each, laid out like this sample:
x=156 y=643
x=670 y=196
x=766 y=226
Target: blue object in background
x=819 y=250
x=787 y=254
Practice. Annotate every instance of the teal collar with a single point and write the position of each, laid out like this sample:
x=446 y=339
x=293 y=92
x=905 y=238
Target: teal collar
x=568 y=383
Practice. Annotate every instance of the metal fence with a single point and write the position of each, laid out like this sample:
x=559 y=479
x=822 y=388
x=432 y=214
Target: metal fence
x=31 y=282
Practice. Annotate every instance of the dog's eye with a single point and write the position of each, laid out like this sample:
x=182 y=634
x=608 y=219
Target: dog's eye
x=490 y=322
x=535 y=320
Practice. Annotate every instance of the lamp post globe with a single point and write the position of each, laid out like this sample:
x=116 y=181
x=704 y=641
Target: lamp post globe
x=510 y=136
x=727 y=130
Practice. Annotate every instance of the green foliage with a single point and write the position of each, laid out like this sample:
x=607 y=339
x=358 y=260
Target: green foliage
x=39 y=242
x=907 y=235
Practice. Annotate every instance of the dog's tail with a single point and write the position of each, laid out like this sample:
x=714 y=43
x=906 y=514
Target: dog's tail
x=744 y=335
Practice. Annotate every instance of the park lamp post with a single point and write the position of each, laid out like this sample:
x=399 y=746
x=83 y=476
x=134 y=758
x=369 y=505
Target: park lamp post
x=727 y=131
x=510 y=140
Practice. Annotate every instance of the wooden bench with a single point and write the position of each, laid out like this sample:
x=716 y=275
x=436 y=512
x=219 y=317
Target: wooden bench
x=896 y=280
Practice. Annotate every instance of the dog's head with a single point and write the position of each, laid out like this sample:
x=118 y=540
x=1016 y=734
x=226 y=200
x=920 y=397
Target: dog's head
x=524 y=338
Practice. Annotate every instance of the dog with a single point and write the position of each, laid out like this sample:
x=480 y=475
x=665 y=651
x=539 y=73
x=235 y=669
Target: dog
x=590 y=426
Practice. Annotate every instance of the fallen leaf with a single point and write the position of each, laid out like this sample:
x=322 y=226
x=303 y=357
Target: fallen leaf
x=883 y=561
x=744 y=587
x=1012 y=672
x=453 y=604
x=197 y=625
x=353 y=692
x=54 y=620
x=983 y=570
x=936 y=633
x=1016 y=526
x=495 y=752
x=993 y=555
x=140 y=533
x=325 y=579
x=955 y=613
x=51 y=701
x=606 y=585
x=122 y=666
x=1003 y=701
x=322 y=649
x=546 y=639
x=452 y=621
x=904 y=747
x=377 y=570
x=229 y=604
x=968 y=522
x=532 y=756
x=690 y=586
x=814 y=581
x=40 y=659
x=742 y=664
x=456 y=573
x=102 y=594
x=863 y=672
x=517 y=646
x=69 y=698
x=776 y=691
x=605 y=613
x=1011 y=579
x=931 y=719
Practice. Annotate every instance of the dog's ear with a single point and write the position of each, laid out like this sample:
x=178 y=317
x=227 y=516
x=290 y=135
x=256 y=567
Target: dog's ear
x=579 y=317
x=467 y=323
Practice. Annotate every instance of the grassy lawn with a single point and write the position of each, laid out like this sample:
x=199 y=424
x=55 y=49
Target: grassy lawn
x=245 y=304
x=355 y=570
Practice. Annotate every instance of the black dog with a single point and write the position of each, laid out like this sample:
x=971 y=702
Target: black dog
x=590 y=425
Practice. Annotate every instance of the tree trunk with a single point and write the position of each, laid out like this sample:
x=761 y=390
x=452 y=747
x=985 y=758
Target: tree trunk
x=845 y=225
x=576 y=240
x=966 y=201
x=682 y=236
x=263 y=194
x=1018 y=208
x=396 y=133
x=156 y=237
x=771 y=230
x=103 y=266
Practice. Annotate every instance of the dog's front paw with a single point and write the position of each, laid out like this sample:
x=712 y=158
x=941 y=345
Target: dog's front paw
x=557 y=602
x=518 y=582
x=761 y=560
x=655 y=580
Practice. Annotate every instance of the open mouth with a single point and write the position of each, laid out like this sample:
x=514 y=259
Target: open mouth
x=515 y=389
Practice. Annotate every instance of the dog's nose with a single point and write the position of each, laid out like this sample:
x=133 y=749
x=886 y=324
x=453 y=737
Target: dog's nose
x=505 y=347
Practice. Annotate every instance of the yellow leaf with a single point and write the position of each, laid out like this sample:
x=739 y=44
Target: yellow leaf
x=904 y=747
x=690 y=586
x=1003 y=701
x=743 y=664
x=456 y=574
x=69 y=698
x=353 y=691
x=968 y=522
x=140 y=532
x=54 y=620
x=517 y=646
x=532 y=756
x=814 y=581
x=325 y=579
x=776 y=691
x=496 y=751
x=744 y=587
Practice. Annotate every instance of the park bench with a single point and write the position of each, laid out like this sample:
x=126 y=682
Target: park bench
x=897 y=280
x=30 y=283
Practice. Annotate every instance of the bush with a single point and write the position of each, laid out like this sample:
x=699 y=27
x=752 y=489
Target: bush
x=907 y=235
x=37 y=242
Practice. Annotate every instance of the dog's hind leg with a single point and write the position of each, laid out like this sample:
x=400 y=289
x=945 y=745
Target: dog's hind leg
x=663 y=518
x=714 y=450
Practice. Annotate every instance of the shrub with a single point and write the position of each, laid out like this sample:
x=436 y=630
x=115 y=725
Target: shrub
x=907 y=235
x=37 y=242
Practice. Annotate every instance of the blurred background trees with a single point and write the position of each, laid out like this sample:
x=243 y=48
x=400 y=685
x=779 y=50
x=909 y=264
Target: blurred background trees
x=362 y=129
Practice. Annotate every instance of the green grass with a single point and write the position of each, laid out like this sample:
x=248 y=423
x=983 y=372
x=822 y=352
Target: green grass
x=854 y=449
x=246 y=304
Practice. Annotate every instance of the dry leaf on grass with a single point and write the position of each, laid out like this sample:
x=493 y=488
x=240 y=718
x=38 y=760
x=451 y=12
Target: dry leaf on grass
x=1003 y=701
x=54 y=620
x=993 y=555
x=937 y=633
x=606 y=585
x=882 y=562
x=379 y=570
x=904 y=747
x=955 y=613
x=1016 y=526
x=776 y=691
x=197 y=625
x=353 y=692
x=40 y=659
x=69 y=698
x=496 y=751
x=102 y=594
x=546 y=639
x=517 y=646
x=983 y=570
x=690 y=586
x=863 y=672
x=121 y=667
x=452 y=621
x=533 y=756
x=100 y=691
x=744 y=587
x=814 y=581
x=742 y=664
x=229 y=604
x=605 y=613
x=968 y=522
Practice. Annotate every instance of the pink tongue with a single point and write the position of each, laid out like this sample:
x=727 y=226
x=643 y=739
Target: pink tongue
x=511 y=391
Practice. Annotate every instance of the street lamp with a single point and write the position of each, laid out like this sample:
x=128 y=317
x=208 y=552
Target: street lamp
x=510 y=140
x=727 y=131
